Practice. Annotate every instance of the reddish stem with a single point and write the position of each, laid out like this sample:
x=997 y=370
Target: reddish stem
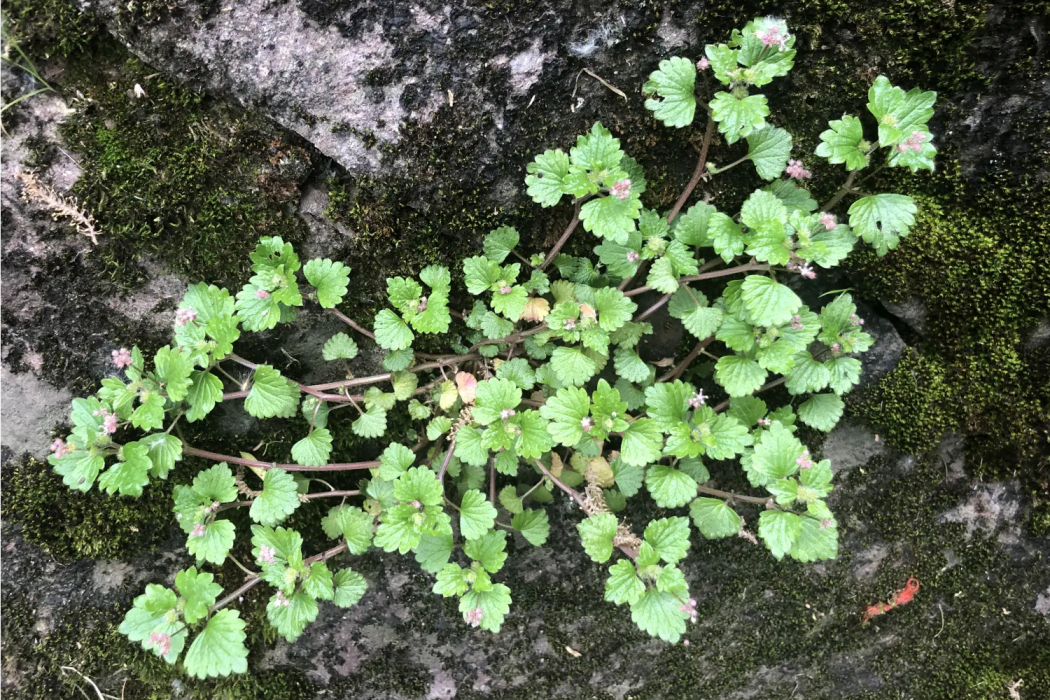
x=353 y=324
x=189 y=451
x=565 y=236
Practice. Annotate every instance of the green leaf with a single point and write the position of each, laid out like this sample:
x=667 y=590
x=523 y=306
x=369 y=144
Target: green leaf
x=173 y=367
x=597 y=152
x=623 y=584
x=882 y=220
x=611 y=217
x=843 y=373
x=662 y=276
x=776 y=453
x=807 y=375
x=738 y=375
x=164 y=451
x=488 y=550
x=566 y=410
x=476 y=515
x=629 y=365
x=690 y=228
x=779 y=529
x=674 y=83
x=821 y=411
x=392 y=333
x=658 y=613
x=339 y=347
x=494 y=604
x=219 y=648
x=149 y=415
x=493 y=397
x=768 y=302
x=204 y=392
x=149 y=612
x=642 y=443
x=215 y=484
x=714 y=518
x=511 y=304
x=899 y=113
x=198 y=592
x=547 y=178
x=769 y=150
x=350 y=587
x=438 y=426
x=290 y=614
x=614 y=309
x=533 y=440
x=670 y=488
x=271 y=394
x=500 y=242
x=314 y=449
x=318 y=584
x=669 y=537
x=737 y=118
x=469 y=447
x=726 y=236
x=795 y=198
x=922 y=159
x=395 y=461
x=666 y=402
x=214 y=544
x=533 y=525
x=352 y=524
x=518 y=371
x=371 y=423
x=433 y=551
x=129 y=475
x=398 y=360
x=816 y=541
x=597 y=533
x=572 y=366
x=451 y=581
x=480 y=274
x=842 y=143
x=330 y=279
x=278 y=499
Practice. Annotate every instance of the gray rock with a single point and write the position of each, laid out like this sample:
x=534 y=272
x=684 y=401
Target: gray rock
x=850 y=445
x=885 y=352
x=912 y=311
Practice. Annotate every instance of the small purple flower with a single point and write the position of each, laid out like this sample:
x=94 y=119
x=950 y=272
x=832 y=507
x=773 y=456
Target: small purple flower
x=697 y=400
x=807 y=271
x=825 y=524
x=473 y=617
x=804 y=461
x=507 y=413
x=416 y=504
x=162 y=642
x=796 y=171
x=198 y=530
x=586 y=423
x=61 y=448
x=685 y=642
x=772 y=37
x=266 y=554
x=109 y=425
x=856 y=320
x=121 y=358
x=621 y=189
x=505 y=289
x=836 y=348
x=262 y=294
x=184 y=316
x=796 y=323
x=281 y=600
x=422 y=305
x=570 y=324
x=632 y=256
x=765 y=422
x=703 y=64
x=828 y=221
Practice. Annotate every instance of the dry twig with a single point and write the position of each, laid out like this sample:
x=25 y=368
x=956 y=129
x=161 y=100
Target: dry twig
x=59 y=206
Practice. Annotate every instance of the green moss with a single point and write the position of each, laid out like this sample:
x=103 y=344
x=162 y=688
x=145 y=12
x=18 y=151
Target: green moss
x=175 y=175
x=50 y=28
x=72 y=525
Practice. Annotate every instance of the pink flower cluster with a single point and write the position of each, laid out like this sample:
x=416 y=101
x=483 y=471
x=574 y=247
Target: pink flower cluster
x=262 y=294
x=913 y=142
x=621 y=189
x=586 y=423
x=703 y=64
x=570 y=324
x=828 y=221
x=281 y=600
x=473 y=617
x=507 y=413
x=632 y=256
x=856 y=320
x=198 y=530
x=802 y=268
x=505 y=289
x=697 y=399
x=796 y=171
x=109 y=421
x=121 y=358
x=772 y=37
x=765 y=422
x=422 y=306
x=836 y=348
x=61 y=448
x=184 y=316
x=266 y=554
x=162 y=642
x=689 y=608
x=804 y=461
x=796 y=323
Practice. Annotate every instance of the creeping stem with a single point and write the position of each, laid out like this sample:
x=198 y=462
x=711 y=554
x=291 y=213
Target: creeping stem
x=568 y=232
x=747 y=267
x=353 y=324
x=248 y=584
x=734 y=496
x=189 y=451
x=709 y=134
